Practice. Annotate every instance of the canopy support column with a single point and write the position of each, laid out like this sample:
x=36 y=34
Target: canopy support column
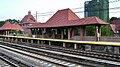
x=98 y=32
x=72 y=34
x=62 y=34
x=68 y=33
x=5 y=32
x=43 y=31
x=82 y=32
x=53 y=34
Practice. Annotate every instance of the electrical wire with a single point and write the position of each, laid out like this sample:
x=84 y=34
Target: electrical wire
x=51 y=13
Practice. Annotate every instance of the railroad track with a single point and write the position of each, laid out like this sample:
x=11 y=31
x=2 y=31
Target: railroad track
x=51 y=58
x=100 y=55
x=11 y=62
x=69 y=51
x=6 y=62
x=113 y=57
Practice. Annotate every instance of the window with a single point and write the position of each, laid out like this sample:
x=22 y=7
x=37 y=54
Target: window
x=98 y=1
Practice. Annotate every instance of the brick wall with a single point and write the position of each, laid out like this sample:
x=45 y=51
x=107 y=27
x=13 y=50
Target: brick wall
x=93 y=38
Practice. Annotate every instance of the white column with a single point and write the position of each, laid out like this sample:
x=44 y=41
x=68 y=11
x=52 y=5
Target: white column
x=49 y=43
x=31 y=41
x=42 y=42
x=5 y=39
x=64 y=45
x=62 y=34
x=38 y=42
x=116 y=50
x=27 y=41
x=5 y=32
x=21 y=40
x=98 y=32
x=12 y=39
x=16 y=40
x=42 y=33
x=68 y=33
x=75 y=46
x=8 y=39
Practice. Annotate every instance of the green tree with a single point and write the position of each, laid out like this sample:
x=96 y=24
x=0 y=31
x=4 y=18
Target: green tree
x=13 y=21
x=105 y=31
x=2 y=23
x=90 y=30
x=113 y=18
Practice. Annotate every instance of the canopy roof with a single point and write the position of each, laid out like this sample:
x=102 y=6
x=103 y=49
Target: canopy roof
x=9 y=26
x=66 y=17
x=115 y=26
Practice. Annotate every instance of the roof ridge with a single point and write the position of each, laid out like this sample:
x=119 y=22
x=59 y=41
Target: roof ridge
x=98 y=19
x=64 y=9
x=72 y=15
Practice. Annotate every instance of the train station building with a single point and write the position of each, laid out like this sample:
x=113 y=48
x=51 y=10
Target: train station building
x=65 y=24
x=27 y=21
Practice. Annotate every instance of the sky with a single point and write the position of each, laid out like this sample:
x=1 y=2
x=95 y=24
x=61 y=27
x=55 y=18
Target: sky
x=17 y=9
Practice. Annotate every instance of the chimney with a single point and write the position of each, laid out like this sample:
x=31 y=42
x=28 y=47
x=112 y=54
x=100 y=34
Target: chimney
x=29 y=12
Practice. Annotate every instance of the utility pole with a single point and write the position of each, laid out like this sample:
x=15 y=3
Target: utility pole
x=36 y=16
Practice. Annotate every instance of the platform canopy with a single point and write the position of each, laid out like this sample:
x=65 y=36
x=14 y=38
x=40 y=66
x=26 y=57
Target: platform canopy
x=8 y=26
x=65 y=18
x=64 y=24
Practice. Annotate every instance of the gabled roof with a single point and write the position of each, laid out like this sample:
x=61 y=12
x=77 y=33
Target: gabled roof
x=88 y=21
x=17 y=27
x=9 y=26
x=116 y=22
x=28 y=19
x=115 y=26
x=66 y=17
x=62 y=16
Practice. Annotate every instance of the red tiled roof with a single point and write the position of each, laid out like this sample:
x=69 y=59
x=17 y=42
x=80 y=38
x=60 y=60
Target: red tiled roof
x=88 y=21
x=6 y=26
x=115 y=26
x=116 y=22
x=17 y=27
x=63 y=16
x=67 y=18
x=27 y=19
x=9 y=26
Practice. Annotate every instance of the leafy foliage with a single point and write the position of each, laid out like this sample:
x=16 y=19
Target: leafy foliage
x=1 y=23
x=13 y=21
x=105 y=31
x=90 y=30
x=113 y=18
x=15 y=32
